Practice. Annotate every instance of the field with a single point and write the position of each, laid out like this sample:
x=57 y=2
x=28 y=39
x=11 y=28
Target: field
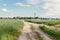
x=10 y=29
x=47 y=22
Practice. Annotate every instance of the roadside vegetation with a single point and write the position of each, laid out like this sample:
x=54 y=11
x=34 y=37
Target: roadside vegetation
x=32 y=27
x=47 y=22
x=10 y=29
x=37 y=36
x=53 y=33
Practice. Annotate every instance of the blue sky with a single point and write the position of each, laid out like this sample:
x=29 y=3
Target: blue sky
x=26 y=8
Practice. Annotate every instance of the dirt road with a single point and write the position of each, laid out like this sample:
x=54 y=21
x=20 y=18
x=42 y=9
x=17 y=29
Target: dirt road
x=42 y=34
x=26 y=33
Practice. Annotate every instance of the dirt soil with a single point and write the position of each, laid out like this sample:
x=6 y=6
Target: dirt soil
x=27 y=32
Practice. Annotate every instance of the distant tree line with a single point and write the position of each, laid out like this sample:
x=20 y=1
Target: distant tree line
x=30 y=18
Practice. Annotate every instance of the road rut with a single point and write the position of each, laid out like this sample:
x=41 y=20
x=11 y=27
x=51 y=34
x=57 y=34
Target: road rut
x=26 y=33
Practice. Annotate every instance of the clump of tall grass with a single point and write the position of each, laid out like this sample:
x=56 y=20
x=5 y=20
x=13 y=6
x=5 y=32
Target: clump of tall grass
x=32 y=27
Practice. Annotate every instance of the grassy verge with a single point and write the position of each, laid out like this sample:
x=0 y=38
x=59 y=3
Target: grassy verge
x=10 y=29
x=55 y=34
x=37 y=36
x=32 y=27
x=47 y=22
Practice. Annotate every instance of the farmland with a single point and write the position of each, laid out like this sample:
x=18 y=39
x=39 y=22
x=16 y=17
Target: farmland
x=34 y=29
x=10 y=29
x=47 y=22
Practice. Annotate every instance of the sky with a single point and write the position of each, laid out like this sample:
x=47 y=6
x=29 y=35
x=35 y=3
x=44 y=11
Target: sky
x=27 y=8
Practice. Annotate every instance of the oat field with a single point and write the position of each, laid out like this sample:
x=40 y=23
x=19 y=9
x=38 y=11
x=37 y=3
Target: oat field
x=10 y=29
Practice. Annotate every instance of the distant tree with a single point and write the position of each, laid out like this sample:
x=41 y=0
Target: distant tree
x=1 y=18
x=13 y=17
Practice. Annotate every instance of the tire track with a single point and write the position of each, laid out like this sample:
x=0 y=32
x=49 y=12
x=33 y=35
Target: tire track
x=26 y=33
x=40 y=32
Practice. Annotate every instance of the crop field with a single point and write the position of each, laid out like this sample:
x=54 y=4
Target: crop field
x=10 y=29
x=47 y=22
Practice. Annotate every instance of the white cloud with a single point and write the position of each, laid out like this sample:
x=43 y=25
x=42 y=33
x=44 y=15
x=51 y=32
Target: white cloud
x=33 y=1
x=52 y=0
x=4 y=10
x=21 y=4
x=53 y=7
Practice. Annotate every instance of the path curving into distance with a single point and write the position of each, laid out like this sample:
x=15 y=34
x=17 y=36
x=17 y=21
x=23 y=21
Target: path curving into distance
x=27 y=33
x=41 y=33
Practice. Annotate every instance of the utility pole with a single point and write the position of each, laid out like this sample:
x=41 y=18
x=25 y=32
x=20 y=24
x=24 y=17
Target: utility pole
x=34 y=15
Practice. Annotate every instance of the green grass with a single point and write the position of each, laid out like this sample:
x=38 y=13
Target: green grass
x=37 y=36
x=55 y=34
x=32 y=27
x=47 y=22
x=10 y=28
